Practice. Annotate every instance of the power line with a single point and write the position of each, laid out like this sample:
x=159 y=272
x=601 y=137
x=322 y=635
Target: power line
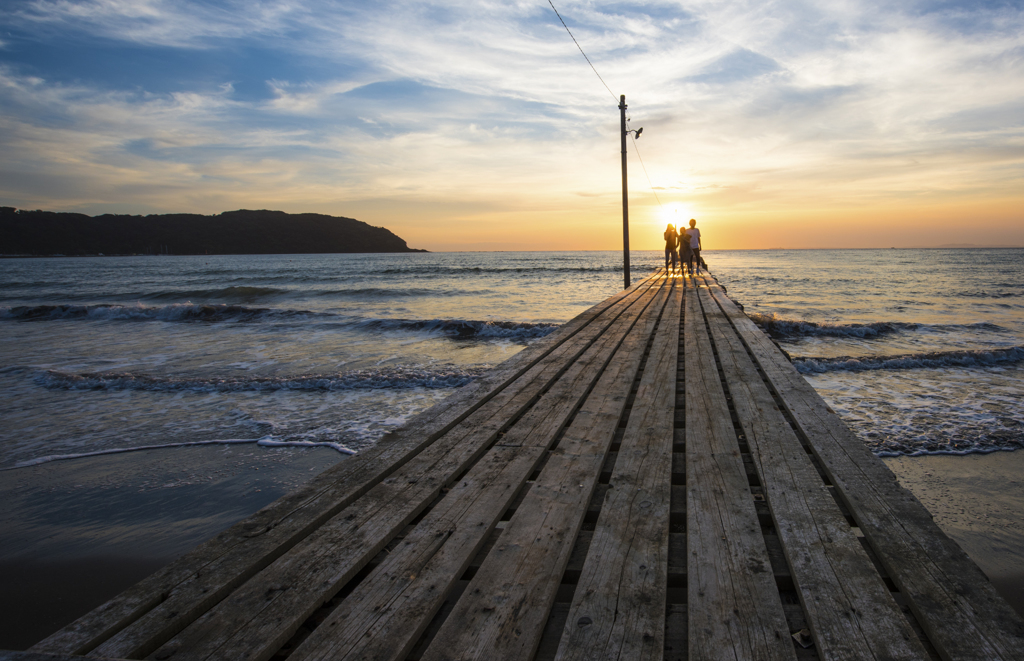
x=581 y=51
x=651 y=183
x=631 y=134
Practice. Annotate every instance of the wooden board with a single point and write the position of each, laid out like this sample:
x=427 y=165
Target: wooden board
x=398 y=495
x=618 y=611
x=263 y=613
x=960 y=611
x=852 y=616
x=256 y=541
x=732 y=601
x=386 y=613
x=43 y=656
x=418 y=522
x=503 y=611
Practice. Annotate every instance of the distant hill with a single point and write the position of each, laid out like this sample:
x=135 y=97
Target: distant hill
x=241 y=232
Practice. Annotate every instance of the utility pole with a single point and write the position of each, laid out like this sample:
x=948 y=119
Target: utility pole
x=625 y=195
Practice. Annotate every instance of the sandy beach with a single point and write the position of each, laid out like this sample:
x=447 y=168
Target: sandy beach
x=978 y=500
x=76 y=533
x=77 y=539
x=92 y=360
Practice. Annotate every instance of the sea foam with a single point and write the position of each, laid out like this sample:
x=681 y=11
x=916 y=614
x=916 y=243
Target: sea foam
x=795 y=328
x=937 y=359
x=395 y=377
x=267 y=441
x=224 y=313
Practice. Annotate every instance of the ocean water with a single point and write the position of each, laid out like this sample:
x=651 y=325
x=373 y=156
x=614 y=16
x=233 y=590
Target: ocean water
x=108 y=354
x=920 y=351
x=149 y=402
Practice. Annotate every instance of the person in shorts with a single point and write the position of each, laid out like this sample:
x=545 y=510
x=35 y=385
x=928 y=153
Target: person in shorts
x=695 y=246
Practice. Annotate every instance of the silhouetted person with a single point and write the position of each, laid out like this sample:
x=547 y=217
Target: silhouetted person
x=695 y=246
x=671 y=240
x=685 y=254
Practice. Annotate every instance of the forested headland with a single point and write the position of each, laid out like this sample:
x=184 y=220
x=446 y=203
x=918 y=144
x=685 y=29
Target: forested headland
x=241 y=232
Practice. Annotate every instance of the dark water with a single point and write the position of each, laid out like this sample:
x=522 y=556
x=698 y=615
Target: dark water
x=920 y=350
x=247 y=375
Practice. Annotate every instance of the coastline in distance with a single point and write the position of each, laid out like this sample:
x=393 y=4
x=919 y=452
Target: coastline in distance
x=242 y=232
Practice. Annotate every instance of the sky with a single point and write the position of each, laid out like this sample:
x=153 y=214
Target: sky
x=479 y=125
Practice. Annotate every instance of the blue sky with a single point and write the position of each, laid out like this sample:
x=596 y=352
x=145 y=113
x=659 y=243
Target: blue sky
x=478 y=125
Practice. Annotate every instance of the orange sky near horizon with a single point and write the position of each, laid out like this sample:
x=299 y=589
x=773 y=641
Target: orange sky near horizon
x=481 y=126
x=925 y=224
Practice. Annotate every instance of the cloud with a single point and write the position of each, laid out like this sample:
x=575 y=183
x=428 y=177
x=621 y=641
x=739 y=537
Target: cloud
x=475 y=106
x=156 y=22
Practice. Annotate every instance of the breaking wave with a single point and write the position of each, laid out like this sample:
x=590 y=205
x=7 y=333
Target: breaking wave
x=939 y=359
x=189 y=312
x=463 y=328
x=455 y=271
x=985 y=293
x=139 y=312
x=236 y=292
x=794 y=328
x=384 y=378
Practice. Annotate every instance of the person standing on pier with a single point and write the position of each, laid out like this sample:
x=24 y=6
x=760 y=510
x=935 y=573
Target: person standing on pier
x=694 y=234
x=685 y=255
x=671 y=240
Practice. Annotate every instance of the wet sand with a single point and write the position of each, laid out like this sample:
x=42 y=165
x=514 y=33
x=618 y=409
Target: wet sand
x=978 y=500
x=75 y=533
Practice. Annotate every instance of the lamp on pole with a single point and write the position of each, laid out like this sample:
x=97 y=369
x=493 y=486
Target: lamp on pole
x=625 y=190
x=625 y=196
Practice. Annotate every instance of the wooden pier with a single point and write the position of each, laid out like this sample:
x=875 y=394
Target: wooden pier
x=652 y=481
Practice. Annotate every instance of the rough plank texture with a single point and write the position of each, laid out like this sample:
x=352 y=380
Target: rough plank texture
x=733 y=604
x=256 y=541
x=960 y=611
x=409 y=541
x=387 y=612
x=618 y=611
x=504 y=609
x=43 y=656
x=262 y=614
x=850 y=610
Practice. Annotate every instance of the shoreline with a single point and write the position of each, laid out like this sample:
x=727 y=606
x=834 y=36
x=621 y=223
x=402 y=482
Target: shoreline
x=93 y=540
x=978 y=501
x=76 y=533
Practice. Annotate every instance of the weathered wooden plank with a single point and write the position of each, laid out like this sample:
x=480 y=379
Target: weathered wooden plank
x=503 y=611
x=375 y=495
x=618 y=611
x=385 y=615
x=955 y=603
x=851 y=612
x=733 y=604
x=255 y=541
x=8 y=655
x=262 y=614
x=403 y=491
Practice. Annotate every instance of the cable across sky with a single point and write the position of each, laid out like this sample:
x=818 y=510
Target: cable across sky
x=614 y=98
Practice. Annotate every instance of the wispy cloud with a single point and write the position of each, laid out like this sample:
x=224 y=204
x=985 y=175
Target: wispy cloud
x=472 y=111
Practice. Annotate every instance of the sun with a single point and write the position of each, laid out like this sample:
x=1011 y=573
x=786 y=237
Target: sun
x=676 y=213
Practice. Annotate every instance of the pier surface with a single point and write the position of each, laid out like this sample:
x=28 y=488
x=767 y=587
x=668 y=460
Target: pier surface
x=652 y=481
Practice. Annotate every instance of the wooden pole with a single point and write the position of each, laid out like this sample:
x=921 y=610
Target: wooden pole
x=625 y=195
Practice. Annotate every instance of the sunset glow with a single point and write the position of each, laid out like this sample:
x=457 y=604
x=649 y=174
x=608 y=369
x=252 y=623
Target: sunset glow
x=479 y=126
